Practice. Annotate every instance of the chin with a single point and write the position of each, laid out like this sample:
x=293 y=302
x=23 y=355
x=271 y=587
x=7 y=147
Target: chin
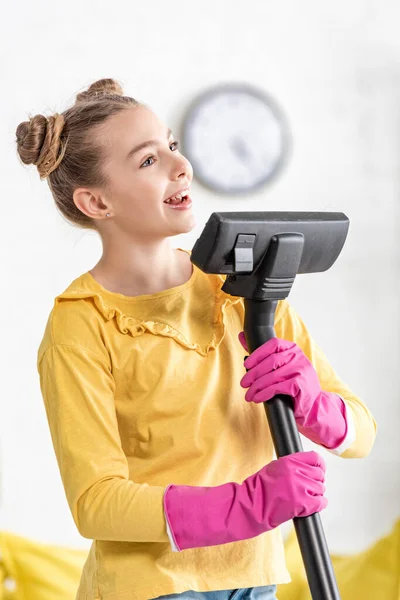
x=186 y=227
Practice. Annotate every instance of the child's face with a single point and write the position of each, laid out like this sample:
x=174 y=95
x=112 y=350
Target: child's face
x=139 y=184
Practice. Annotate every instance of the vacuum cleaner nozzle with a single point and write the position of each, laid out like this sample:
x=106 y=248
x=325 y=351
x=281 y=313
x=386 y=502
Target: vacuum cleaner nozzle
x=262 y=252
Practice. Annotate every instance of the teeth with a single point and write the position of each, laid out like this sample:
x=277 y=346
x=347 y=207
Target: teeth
x=179 y=197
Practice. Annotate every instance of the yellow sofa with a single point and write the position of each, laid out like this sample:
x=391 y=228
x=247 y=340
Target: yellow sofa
x=373 y=574
x=35 y=571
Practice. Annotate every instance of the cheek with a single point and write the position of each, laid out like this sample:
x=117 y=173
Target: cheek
x=140 y=193
x=143 y=207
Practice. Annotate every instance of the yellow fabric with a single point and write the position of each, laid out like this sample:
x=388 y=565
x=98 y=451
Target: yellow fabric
x=370 y=575
x=34 y=571
x=141 y=392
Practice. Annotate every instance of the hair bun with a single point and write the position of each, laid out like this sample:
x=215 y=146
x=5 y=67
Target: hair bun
x=39 y=142
x=100 y=88
x=30 y=138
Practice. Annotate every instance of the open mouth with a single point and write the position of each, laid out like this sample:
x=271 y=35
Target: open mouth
x=178 y=199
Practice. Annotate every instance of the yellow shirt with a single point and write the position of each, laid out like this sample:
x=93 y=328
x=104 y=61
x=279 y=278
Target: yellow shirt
x=144 y=391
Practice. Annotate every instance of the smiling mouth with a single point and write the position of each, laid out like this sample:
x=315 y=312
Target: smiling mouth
x=178 y=198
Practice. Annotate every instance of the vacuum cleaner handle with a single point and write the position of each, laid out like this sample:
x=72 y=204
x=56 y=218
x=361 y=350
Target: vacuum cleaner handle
x=309 y=531
x=258 y=329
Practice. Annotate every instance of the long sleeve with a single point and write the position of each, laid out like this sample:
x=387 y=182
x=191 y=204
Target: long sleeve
x=78 y=393
x=361 y=423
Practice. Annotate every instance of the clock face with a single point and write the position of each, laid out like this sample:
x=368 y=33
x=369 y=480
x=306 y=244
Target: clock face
x=235 y=137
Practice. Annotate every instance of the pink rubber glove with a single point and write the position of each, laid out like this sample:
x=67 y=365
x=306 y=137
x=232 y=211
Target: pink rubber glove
x=281 y=367
x=292 y=486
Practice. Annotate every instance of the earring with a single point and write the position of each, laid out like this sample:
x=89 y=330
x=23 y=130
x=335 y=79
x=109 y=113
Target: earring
x=108 y=214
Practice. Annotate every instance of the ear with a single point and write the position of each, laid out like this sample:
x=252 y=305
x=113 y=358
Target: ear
x=90 y=202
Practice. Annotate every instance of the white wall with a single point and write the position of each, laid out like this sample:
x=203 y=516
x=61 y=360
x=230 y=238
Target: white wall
x=334 y=68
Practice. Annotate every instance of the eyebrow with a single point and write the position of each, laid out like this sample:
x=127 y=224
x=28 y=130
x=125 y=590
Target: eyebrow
x=145 y=144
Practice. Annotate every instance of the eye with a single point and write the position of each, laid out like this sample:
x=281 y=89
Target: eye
x=146 y=162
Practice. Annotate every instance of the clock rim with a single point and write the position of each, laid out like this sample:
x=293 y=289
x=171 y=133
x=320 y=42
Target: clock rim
x=256 y=92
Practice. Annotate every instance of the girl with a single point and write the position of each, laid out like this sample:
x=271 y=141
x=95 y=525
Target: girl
x=166 y=464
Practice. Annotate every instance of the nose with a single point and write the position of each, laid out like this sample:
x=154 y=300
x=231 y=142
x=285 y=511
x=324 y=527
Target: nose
x=181 y=168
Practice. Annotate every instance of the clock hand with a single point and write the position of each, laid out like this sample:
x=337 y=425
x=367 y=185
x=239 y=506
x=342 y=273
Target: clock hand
x=238 y=147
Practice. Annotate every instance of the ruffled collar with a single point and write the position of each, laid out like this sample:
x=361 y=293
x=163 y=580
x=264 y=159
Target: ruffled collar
x=114 y=307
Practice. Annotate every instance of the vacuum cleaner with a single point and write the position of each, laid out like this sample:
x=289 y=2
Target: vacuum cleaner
x=261 y=253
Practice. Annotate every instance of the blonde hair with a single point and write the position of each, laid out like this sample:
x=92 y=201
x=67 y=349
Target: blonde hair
x=64 y=147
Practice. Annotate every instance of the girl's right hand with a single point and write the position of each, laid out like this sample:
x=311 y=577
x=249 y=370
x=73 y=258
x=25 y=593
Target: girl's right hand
x=291 y=486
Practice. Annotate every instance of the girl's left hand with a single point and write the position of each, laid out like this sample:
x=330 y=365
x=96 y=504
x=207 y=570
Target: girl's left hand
x=281 y=367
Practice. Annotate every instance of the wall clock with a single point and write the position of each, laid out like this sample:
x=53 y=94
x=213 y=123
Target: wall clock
x=236 y=138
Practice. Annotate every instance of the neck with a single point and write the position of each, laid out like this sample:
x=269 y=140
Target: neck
x=140 y=268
